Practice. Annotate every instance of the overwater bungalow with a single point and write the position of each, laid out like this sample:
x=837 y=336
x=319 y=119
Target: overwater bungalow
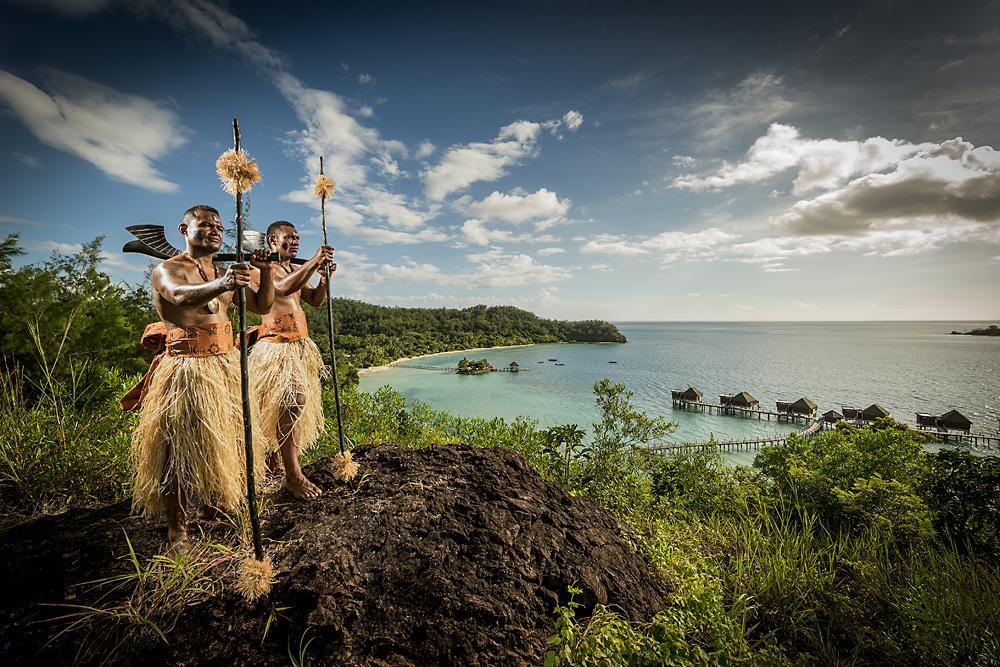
x=745 y=400
x=954 y=421
x=803 y=407
x=691 y=395
x=514 y=367
x=925 y=420
x=741 y=400
x=873 y=412
x=832 y=417
x=850 y=412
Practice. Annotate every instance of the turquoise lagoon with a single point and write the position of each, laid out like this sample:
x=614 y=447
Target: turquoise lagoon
x=906 y=367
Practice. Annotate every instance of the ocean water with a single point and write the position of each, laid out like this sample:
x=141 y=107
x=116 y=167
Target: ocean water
x=906 y=367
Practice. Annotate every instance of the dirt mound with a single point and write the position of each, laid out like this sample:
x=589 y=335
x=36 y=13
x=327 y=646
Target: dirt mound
x=448 y=555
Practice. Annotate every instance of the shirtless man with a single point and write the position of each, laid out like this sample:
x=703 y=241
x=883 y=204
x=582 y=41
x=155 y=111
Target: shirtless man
x=188 y=448
x=286 y=365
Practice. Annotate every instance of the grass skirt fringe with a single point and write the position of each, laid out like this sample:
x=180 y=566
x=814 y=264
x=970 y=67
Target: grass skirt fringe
x=191 y=431
x=283 y=376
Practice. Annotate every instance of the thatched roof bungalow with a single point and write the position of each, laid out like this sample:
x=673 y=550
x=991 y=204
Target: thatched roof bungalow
x=514 y=366
x=850 y=412
x=873 y=412
x=832 y=416
x=691 y=394
x=955 y=420
x=927 y=421
x=803 y=406
x=744 y=400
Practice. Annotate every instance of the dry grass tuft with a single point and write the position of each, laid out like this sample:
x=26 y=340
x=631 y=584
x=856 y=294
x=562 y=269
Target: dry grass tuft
x=324 y=187
x=237 y=171
x=255 y=578
x=347 y=469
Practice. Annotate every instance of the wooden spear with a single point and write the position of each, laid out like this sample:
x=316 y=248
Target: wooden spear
x=346 y=468
x=256 y=575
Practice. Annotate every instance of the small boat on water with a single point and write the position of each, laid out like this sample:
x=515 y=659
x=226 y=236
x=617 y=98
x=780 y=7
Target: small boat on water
x=612 y=362
x=541 y=362
x=553 y=360
x=560 y=364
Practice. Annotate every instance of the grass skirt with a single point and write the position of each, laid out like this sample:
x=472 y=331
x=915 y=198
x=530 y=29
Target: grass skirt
x=287 y=376
x=191 y=431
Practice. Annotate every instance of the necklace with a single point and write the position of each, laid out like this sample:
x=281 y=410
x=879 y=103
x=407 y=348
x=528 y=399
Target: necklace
x=213 y=305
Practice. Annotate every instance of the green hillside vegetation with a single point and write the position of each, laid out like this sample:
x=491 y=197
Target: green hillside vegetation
x=851 y=547
x=374 y=335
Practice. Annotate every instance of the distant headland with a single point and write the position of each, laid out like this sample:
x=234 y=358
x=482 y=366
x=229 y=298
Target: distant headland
x=992 y=330
x=370 y=335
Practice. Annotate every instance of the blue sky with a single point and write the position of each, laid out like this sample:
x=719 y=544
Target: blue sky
x=625 y=161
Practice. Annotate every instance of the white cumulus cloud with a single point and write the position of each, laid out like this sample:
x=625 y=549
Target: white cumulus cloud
x=572 y=120
x=120 y=134
x=466 y=164
x=543 y=207
x=821 y=164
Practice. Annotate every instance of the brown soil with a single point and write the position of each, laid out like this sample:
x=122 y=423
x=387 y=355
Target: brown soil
x=447 y=555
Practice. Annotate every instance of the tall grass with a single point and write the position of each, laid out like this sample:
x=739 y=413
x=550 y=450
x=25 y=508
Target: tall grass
x=63 y=437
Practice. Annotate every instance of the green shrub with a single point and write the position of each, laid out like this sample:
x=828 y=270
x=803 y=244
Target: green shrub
x=853 y=478
x=889 y=506
x=963 y=492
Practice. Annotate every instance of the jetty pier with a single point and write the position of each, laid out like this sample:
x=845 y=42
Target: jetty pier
x=512 y=368
x=950 y=428
x=731 y=405
x=743 y=444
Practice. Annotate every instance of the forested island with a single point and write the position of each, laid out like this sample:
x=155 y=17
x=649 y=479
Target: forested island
x=478 y=367
x=992 y=330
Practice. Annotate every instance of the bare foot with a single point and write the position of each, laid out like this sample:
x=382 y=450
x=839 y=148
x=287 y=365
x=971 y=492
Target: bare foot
x=301 y=487
x=179 y=541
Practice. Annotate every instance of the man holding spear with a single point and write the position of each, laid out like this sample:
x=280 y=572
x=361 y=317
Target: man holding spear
x=189 y=447
x=285 y=363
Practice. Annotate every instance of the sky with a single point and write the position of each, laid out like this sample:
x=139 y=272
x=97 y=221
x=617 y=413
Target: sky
x=613 y=160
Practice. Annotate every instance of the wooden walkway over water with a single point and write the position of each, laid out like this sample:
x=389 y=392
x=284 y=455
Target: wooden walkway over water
x=976 y=440
x=423 y=367
x=743 y=444
x=452 y=369
x=698 y=406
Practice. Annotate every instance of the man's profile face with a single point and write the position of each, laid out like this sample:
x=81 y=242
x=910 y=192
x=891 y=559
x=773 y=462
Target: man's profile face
x=204 y=231
x=285 y=241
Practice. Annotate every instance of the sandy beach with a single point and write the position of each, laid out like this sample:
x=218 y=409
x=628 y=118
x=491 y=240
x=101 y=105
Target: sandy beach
x=376 y=369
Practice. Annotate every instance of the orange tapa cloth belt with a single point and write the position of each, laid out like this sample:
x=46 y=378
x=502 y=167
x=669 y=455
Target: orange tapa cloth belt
x=206 y=340
x=286 y=328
